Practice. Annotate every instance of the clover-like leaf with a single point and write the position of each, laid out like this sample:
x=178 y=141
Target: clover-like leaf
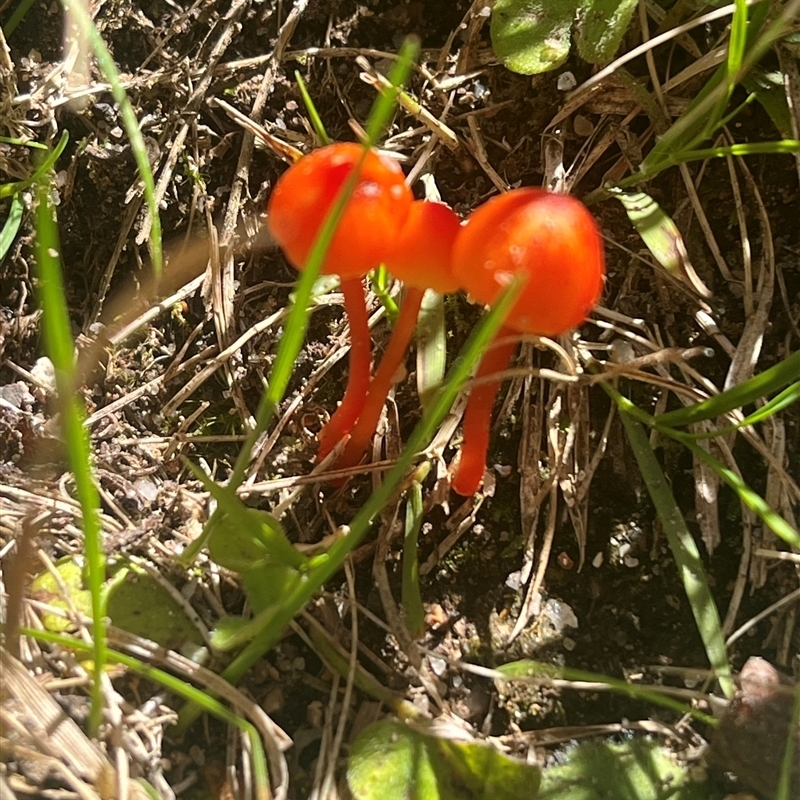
x=601 y=26
x=640 y=769
x=533 y=36
x=47 y=588
x=392 y=761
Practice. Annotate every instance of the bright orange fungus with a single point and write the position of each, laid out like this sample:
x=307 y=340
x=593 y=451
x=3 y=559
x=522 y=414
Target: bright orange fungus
x=422 y=253
x=553 y=239
x=421 y=258
x=373 y=217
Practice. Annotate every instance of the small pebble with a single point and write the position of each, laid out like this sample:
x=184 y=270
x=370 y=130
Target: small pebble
x=566 y=82
x=582 y=126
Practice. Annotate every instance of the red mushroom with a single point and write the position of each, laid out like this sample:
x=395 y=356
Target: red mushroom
x=421 y=258
x=555 y=241
x=372 y=219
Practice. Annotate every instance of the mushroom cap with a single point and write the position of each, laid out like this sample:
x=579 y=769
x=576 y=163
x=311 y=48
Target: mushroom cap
x=422 y=253
x=372 y=218
x=553 y=239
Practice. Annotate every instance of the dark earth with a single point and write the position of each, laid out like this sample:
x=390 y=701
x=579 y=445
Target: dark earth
x=609 y=562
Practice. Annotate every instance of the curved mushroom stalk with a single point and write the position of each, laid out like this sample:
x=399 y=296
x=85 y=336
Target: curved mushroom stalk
x=477 y=421
x=371 y=220
x=420 y=256
x=555 y=242
x=358 y=379
x=382 y=382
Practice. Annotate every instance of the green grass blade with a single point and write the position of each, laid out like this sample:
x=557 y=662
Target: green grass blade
x=675 y=157
x=778 y=403
x=61 y=351
x=737 y=43
x=431 y=347
x=10 y=189
x=177 y=687
x=661 y=235
x=532 y=670
x=781 y=147
x=294 y=334
x=386 y=101
x=128 y=117
x=765 y=383
x=684 y=551
x=19 y=14
x=381 y=282
x=776 y=523
x=313 y=114
x=332 y=562
x=18 y=142
x=11 y=225
x=412 y=599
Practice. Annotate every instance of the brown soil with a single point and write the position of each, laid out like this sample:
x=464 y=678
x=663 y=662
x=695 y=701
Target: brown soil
x=608 y=559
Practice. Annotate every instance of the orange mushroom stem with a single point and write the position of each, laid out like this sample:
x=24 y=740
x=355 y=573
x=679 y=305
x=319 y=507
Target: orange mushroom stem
x=371 y=221
x=358 y=376
x=554 y=240
x=477 y=421
x=420 y=258
x=381 y=383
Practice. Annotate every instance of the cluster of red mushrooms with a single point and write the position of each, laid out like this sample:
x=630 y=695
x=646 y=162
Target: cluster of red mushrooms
x=552 y=238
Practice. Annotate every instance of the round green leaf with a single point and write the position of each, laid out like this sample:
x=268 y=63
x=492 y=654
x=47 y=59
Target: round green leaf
x=532 y=36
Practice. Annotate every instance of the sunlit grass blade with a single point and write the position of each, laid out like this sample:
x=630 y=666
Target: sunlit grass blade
x=11 y=225
x=778 y=403
x=781 y=147
x=330 y=563
x=77 y=9
x=386 y=101
x=662 y=237
x=538 y=670
x=776 y=523
x=10 y=189
x=294 y=334
x=313 y=114
x=675 y=157
x=18 y=142
x=380 y=280
x=431 y=347
x=412 y=600
x=61 y=351
x=760 y=386
x=181 y=689
x=737 y=42
x=684 y=552
x=14 y=20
